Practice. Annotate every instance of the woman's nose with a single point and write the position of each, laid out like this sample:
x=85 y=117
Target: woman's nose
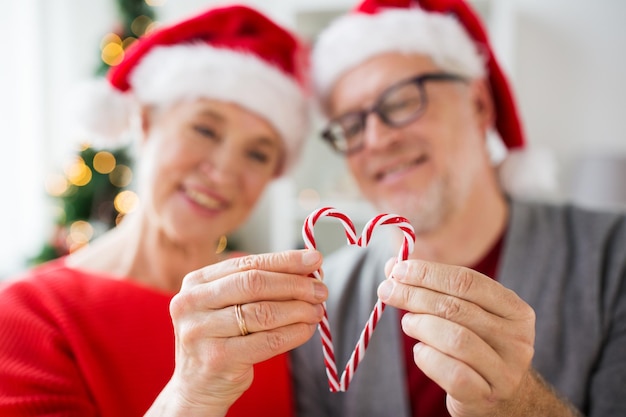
x=222 y=165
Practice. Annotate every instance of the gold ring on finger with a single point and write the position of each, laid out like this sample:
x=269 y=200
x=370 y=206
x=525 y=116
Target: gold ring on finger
x=240 y=320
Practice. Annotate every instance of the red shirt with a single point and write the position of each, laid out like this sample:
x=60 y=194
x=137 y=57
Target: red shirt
x=427 y=398
x=78 y=344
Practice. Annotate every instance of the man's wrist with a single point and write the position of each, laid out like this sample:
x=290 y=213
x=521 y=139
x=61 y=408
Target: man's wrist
x=538 y=398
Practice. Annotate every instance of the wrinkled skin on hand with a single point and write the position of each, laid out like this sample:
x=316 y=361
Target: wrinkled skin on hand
x=281 y=306
x=476 y=339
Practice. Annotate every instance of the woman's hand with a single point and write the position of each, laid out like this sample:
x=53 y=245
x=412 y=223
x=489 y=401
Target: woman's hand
x=280 y=307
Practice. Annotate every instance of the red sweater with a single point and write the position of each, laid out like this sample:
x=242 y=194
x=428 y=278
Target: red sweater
x=79 y=344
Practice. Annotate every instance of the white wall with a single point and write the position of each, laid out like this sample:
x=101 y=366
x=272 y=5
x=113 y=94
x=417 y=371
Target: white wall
x=566 y=59
x=21 y=119
x=46 y=47
x=570 y=58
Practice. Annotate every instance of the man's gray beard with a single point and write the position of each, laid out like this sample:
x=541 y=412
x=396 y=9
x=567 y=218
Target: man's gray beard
x=427 y=211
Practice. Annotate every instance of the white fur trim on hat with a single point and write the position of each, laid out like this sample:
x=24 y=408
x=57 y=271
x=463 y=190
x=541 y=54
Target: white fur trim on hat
x=356 y=37
x=99 y=112
x=529 y=173
x=169 y=74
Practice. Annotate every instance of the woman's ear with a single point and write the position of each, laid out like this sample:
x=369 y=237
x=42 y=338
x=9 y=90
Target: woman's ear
x=280 y=166
x=144 y=119
x=483 y=103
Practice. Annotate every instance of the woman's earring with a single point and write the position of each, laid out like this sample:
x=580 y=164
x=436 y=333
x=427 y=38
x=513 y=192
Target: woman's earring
x=221 y=244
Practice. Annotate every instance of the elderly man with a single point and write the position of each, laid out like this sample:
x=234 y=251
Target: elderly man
x=506 y=307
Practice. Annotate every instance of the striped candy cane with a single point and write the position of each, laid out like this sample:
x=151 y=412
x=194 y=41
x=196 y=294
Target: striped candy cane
x=342 y=384
x=324 y=327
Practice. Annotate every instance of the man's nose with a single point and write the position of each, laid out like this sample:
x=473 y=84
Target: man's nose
x=377 y=134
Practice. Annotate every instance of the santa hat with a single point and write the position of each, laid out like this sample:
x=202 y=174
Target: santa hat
x=451 y=33
x=234 y=53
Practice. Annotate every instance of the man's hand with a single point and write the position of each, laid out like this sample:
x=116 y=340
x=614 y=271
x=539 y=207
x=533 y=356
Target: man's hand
x=475 y=337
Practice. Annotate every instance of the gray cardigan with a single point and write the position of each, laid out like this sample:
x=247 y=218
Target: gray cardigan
x=569 y=264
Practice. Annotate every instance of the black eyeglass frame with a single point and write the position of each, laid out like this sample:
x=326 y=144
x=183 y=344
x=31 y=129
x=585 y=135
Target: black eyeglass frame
x=376 y=108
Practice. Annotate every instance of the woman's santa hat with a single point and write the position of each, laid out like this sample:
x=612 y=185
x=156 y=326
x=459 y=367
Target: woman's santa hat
x=451 y=33
x=233 y=53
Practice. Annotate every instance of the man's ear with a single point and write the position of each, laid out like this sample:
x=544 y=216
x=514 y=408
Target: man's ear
x=483 y=103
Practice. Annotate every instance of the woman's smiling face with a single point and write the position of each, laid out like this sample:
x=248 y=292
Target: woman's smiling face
x=204 y=165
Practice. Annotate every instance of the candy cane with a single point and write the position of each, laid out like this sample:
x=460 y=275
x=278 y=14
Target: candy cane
x=324 y=326
x=406 y=249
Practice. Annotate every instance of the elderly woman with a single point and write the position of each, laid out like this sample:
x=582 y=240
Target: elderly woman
x=124 y=327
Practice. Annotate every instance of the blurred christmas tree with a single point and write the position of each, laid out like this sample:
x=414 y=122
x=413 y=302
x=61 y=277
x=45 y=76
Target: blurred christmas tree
x=91 y=193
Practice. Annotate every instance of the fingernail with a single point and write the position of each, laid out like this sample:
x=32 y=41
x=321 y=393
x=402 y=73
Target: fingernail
x=320 y=310
x=319 y=290
x=310 y=257
x=399 y=270
x=385 y=289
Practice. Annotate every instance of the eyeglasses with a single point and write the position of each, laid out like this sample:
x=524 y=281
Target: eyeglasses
x=397 y=106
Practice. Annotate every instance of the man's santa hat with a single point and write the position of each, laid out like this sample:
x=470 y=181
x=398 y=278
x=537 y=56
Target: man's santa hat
x=451 y=33
x=234 y=54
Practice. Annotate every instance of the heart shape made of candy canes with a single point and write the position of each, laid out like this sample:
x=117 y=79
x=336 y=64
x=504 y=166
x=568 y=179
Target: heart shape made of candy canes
x=335 y=384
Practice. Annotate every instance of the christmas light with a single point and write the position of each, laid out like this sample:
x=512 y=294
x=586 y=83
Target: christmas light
x=155 y=2
x=151 y=27
x=128 y=42
x=107 y=39
x=104 y=162
x=112 y=54
x=126 y=201
x=81 y=232
x=121 y=176
x=140 y=24
x=78 y=173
